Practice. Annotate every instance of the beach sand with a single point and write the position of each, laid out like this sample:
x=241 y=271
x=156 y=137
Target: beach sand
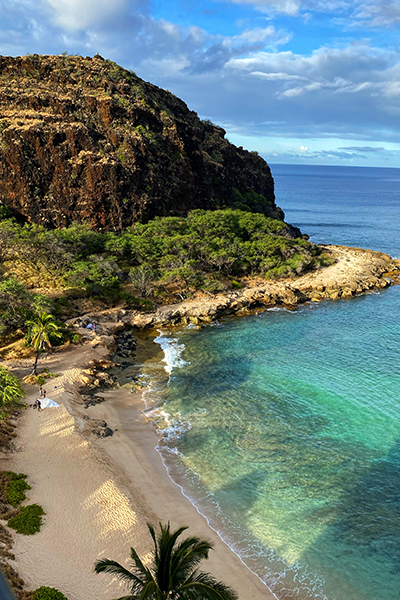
x=98 y=494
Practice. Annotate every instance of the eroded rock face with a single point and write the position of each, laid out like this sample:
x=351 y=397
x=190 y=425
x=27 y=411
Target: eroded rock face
x=84 y=139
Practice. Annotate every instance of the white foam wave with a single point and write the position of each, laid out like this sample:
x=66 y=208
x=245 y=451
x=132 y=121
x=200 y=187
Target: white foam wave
x=216 y=324
x=172 y=352
x=169 y=427
x=278 y=309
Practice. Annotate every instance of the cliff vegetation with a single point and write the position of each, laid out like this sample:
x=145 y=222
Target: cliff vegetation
x=168 y=258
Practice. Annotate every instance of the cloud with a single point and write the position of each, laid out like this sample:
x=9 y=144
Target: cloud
x=363 y=149
x=355 y=13
x=377 y=13
x=332 y=156
x=265 y=35
x=81 y=14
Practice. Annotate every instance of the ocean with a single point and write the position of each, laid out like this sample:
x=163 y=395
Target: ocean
x=283 y=428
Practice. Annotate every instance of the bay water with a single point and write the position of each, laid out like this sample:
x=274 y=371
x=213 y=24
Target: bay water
x=283 y=428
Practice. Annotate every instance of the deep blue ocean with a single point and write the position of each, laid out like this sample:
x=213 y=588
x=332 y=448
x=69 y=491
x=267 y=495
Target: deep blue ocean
x=283 y=428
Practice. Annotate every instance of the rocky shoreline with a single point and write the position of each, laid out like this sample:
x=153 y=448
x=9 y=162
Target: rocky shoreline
x=354 y=271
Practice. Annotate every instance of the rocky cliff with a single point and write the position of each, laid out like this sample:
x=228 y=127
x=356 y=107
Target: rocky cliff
x=84 y=139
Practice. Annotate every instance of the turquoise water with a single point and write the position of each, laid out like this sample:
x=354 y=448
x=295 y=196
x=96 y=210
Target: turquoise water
x=284 y=428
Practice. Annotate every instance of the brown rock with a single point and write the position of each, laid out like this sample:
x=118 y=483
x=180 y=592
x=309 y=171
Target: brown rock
x=84 y=139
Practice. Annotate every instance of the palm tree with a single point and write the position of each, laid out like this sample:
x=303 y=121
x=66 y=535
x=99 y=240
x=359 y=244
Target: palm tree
x=41 y=327
x=173 y=573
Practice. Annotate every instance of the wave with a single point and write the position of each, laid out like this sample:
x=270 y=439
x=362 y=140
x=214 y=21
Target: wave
x=278 y=309
x=172 y=352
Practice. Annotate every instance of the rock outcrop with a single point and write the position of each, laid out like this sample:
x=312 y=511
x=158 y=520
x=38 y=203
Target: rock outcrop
x=84 y=139
x=355 y=271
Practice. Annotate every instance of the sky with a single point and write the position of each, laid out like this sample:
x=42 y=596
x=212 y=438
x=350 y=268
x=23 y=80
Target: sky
x=300 y=81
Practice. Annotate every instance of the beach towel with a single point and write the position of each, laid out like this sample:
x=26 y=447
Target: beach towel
x=47 y=403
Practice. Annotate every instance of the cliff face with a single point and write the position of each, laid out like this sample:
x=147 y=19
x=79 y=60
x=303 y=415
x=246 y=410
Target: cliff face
x=84 y=139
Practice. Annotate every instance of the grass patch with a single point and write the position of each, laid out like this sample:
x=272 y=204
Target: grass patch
x=28 y=521
x=48 y=593
x=12 y=488
x=15 y=492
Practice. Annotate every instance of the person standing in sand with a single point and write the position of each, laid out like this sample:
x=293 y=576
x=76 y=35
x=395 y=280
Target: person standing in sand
x=41 y=391
x=39 y=405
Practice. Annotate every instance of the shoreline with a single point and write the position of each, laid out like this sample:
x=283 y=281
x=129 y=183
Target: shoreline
x=101 y=491
x=354 y=271
x=124 y=481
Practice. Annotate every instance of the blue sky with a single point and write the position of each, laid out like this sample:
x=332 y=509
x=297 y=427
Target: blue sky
x=301 y=81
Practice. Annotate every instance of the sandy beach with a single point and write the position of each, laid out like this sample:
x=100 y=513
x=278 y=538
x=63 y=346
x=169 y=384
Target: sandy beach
x=98 y=494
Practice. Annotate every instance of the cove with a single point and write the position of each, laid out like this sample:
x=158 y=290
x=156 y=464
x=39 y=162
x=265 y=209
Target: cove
x=283 y=428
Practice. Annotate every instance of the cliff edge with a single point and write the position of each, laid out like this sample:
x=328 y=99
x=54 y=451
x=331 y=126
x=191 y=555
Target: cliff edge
x=84 y=139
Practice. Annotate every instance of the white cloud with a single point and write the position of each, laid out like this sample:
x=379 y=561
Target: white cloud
x=289 y=7
x=366 y=13
x=277 y=76
x=303 y=148
x=81 y=14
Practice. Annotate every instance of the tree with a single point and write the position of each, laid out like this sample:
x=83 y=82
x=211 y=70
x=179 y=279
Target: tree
x=41 y=328
x=143 y=279
x=173 y=573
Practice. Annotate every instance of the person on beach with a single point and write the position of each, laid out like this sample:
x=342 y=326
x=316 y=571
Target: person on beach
x=44 y=393
x=39 y=405
x=41 y=391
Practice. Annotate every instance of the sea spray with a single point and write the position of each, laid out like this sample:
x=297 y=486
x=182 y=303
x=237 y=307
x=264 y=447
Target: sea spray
x=172 y=352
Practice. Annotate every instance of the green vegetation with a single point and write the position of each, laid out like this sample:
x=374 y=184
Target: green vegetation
x=12 y=488
x=41 y=328
x=10 y=387
x=28 y=520
x=173 y=571
x=48 y=593
x=165 y=258
x=17 y=304
x=15 y=491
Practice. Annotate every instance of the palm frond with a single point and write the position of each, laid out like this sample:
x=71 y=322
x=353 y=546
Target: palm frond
x=166 y=543
x=153 y=535
x=187 y=556
x=148 y=591
x=140 y=566
x=203 y=586
x=111 y=566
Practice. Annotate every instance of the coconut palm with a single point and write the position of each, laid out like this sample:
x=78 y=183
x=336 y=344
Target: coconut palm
x=41 y=327
x=173 y=572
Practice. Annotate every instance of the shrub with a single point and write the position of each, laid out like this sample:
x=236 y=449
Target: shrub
x=48 y=593
x=15 y=492
x=28 y=521
x=10 y=387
